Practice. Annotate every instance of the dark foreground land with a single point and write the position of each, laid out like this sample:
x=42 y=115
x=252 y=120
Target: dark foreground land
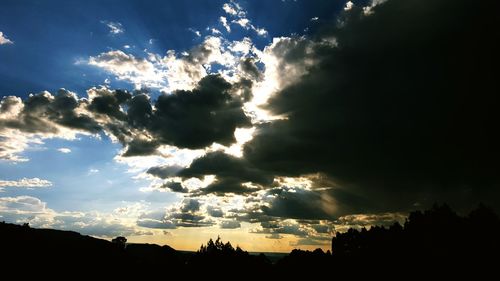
x=436 y=242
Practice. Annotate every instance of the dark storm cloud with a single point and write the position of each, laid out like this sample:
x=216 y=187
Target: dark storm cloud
x=190 y=205
x=402 y=109
x=322 y=228
x=248 y=66
x=231 y=172
x=308 y=205
x=227 y=186
x=139 y=111
x=297 y=204
x=175 y=187
x=140 y=146
x=152 y=223
x=63 y=112
x=367 y=220
x=196 y=119
x=245 y=88
x=283 y=228
x=230 y=224
x=186 y=215
x=45 y=113
x=187 y=119
x=215 y=212
x=109 y=102
x=164 y=172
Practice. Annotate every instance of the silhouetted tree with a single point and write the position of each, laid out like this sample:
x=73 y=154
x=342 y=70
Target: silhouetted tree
x=120 y=241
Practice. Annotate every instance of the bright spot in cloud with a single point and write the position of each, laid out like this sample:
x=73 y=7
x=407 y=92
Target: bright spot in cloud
x=348 y=6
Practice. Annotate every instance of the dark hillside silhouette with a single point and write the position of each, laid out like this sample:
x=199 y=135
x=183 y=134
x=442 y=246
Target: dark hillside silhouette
x=47 y=252
x=436 y=241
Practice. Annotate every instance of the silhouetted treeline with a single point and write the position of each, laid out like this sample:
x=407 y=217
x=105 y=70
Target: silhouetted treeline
x=438 y=234
x=436 y=241
x=217 y=254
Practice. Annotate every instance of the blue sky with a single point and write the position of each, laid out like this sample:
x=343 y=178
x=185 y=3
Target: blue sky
x=50 y=36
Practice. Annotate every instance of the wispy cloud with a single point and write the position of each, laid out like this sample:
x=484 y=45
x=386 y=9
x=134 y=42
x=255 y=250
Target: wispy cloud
x=64 y=150
x=239 y=15
x=196 y=32
x=93 y=171
x=114 y=27
x=25 y=182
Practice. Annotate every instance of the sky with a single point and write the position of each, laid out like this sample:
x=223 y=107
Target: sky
x=273 y=124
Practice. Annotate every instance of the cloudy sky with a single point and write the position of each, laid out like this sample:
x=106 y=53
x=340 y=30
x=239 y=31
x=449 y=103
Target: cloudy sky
x=271 y=123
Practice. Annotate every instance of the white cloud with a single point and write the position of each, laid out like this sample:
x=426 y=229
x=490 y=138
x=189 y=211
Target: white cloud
x=114 y=27
x=243 y=22
x=21 y=204
x=25 y=182
x=278 y=73
x=234 y=9
x=139 y=71
x=171 y=72
x=215 y=31
x=196 y=32
x=244 y=46
x=223 y=20
x=13 y=142
x=64 y=150
x=368 y=10
x=229 y=9
x=314 y=18
x=28 y=209
x=93 y=171
x=4 y=39
x=260 y=31
x=348 y=5
x=246 y=24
